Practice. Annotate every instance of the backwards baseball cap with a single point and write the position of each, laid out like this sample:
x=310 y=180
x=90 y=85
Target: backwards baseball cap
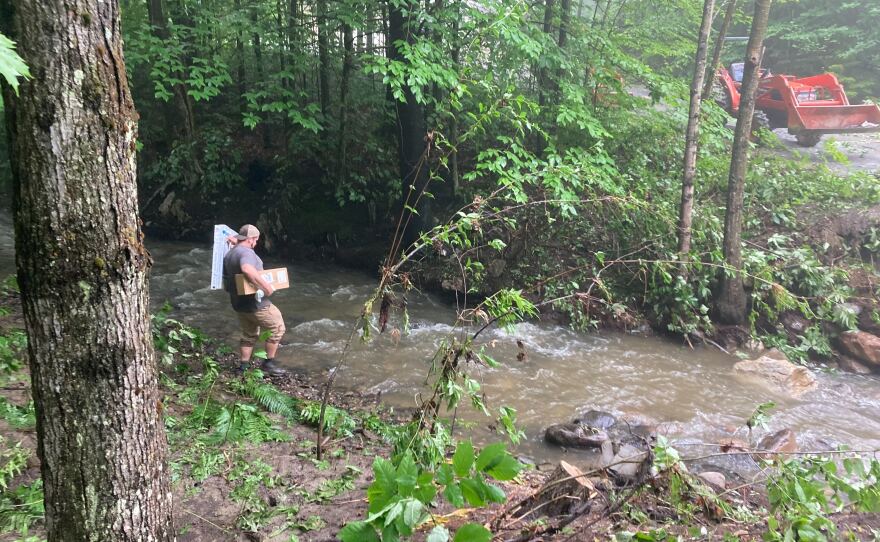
x=247 y=231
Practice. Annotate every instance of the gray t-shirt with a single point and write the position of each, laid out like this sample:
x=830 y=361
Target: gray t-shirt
x=232 y=262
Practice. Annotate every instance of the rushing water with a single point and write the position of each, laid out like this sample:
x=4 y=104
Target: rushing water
x=564 y=373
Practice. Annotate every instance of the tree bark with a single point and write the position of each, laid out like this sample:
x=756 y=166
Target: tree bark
x=544 y=77
x=347 y=65
x=241 y=82
x=323 y=58
x=732 y=303
x=692 y=139
x=411 y=134
x=82 y=269
x=182 y=99
x=719 y=45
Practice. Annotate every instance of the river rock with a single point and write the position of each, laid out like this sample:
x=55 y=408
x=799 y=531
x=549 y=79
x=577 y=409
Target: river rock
x=627 y=462
x=850 y=365
x=775 y=371
x=733 y=445
x=782 y=441
x=713 y=479
x=575 y=435
x=794 y=322
x=862 y=346
x=597 y=419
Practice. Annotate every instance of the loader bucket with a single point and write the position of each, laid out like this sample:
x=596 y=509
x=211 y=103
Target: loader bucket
x=835 y=119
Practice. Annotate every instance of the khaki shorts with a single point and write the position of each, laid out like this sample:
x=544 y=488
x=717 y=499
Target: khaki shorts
x=252 y=323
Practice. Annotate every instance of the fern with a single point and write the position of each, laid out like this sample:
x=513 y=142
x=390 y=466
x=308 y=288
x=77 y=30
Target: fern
x=14 y=462
x=234 y=424
x=270 y=397
x=16 y=416
x=21 y=507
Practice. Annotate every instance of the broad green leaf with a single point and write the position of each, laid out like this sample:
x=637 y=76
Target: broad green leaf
x=412 y=513
x=506 y=469
x=463 y=458
x=407 y=476
x=358 y=531
x=438 y=534
x=453 y=495
x=490 y=456
x=473 y=492
x=472 y=532
x=384 y=487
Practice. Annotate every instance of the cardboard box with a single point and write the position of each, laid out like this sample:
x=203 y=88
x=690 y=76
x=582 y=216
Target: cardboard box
x=276 y=277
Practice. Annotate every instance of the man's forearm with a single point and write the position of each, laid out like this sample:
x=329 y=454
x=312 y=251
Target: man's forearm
x=254 y=277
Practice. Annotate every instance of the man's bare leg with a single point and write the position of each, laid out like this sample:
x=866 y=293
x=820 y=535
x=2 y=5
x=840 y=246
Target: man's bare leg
x=246 y=352
x=271 y=348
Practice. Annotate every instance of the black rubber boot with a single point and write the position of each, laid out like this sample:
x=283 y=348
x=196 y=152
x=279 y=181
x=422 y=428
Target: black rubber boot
x=243 y=366
x=271 y=368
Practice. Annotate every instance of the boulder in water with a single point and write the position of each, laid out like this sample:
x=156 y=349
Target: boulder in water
x=783 y=441
x=775 y=371
x=862 y=346
x=575 y=435
x=850 y=365
x=597 y=419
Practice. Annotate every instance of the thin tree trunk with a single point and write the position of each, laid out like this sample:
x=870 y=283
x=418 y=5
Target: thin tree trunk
x=544 y=77
x=411 y=134
x=239 y=49
x=692 y=139
x=719 y=45
x=453 y=122
x=347 y=65
x=564 y=20
x=82 y=268
x=732 y=303
x=323 y=57
x=184 y=122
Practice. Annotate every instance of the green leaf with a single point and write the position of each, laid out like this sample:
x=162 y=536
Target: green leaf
x=412 y=513
x=358 y=531
x=506 y=469
x=407 y=475
x=472 y=532
x=473 y=492
x=445 y=476
x=490 y=456
x=463 y=458
x=438 y=534
x=384 y=487
x=11 y=65
x=453 y=495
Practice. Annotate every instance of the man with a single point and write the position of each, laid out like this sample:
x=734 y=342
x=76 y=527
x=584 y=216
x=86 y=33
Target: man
x=255 y=312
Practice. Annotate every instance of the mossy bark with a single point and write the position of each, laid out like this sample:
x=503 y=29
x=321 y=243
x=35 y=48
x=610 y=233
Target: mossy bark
x=82 y=269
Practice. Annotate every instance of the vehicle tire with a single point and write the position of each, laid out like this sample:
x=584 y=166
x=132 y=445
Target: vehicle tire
x=809 y=139
x=760 y=120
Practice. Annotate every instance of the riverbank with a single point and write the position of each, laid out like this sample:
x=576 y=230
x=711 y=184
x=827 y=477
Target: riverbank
x=244 y=468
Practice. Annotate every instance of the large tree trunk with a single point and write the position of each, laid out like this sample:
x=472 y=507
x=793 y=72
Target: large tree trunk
x=411 y=132
x=692 y=139
x=82 y=268
x=732 y=303
x=719 y=44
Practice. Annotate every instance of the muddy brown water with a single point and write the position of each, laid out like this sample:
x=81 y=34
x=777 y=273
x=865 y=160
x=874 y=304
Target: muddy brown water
x=564 y=373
